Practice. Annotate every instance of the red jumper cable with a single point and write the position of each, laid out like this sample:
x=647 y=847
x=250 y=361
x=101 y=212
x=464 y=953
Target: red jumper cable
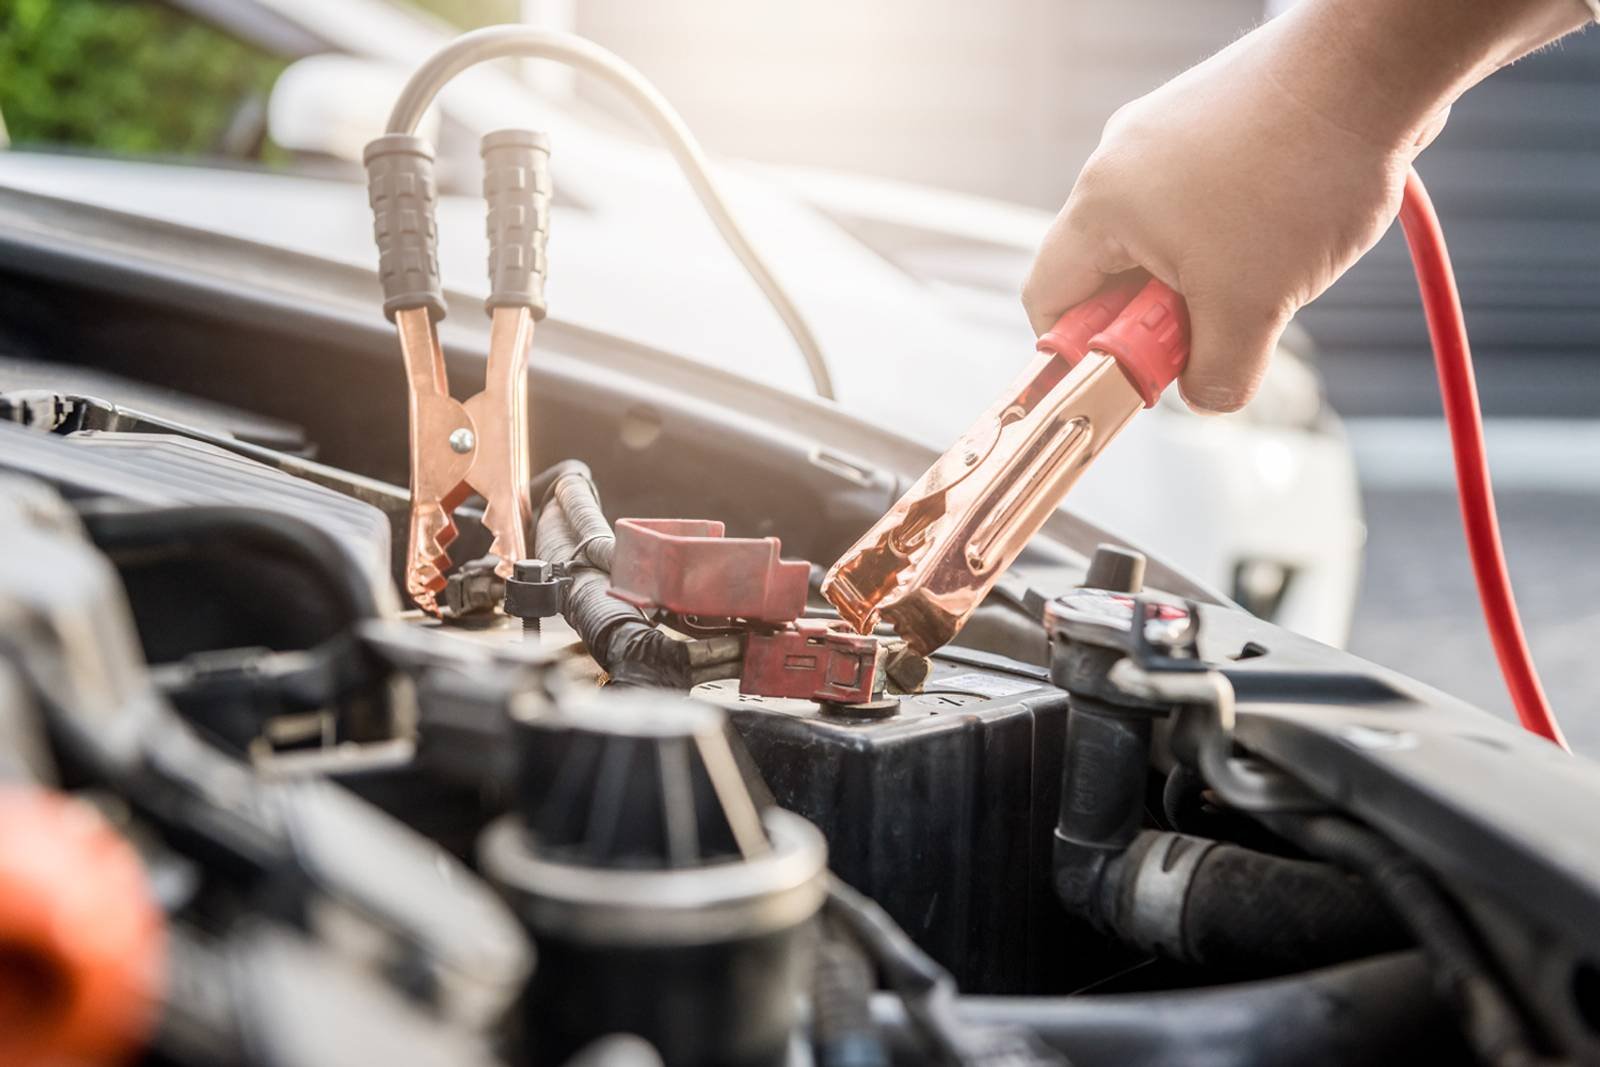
x=1459 y=391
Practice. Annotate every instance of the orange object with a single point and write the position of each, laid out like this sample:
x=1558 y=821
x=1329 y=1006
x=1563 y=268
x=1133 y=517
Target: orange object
x=82 y=939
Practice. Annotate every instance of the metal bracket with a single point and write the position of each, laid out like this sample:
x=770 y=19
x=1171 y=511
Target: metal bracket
x=1241 y=781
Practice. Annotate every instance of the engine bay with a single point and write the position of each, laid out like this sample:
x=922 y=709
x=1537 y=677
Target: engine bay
x=642 y=799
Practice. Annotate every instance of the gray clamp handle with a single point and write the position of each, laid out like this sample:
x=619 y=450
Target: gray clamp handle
x=401 y=190
x=516 y=185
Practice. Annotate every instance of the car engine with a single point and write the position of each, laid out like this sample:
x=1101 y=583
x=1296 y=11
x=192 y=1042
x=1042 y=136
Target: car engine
x=639 y=797
x=1112 y=825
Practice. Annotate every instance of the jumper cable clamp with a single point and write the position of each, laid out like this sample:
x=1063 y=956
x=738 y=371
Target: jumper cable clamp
x=479 y=445
x=927 y=565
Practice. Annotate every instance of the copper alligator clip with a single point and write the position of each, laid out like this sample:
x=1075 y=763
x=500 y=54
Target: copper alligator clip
x=927 y=564
x=481 y=444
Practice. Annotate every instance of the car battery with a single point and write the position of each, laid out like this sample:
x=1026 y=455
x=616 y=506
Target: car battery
x=941 y=808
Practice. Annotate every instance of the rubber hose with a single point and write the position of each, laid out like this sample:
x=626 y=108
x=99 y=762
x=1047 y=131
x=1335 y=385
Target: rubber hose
x=924 y=991
x=580 y=503
x=842 y=1034
x=1381 y=1010
x=619 y=638
x=1493 y=1023
x=1181 y=800
x=540 y=487
x=1250 y=909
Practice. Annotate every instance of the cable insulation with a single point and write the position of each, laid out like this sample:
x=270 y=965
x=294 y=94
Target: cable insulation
x=501 y=42
x=1458 y=389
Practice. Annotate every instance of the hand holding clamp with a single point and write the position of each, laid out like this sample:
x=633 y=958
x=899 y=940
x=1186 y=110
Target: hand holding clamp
x=927 y=564
x=481 y=444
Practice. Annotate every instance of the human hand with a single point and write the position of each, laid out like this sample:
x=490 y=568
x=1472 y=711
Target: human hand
x=1242 y=185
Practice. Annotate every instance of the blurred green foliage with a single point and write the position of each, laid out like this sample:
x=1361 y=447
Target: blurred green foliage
x=130 y=76
x=470 y=14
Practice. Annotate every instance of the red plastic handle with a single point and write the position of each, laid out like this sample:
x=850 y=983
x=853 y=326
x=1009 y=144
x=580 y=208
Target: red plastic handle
x=1146 y=330
x=1149 y=340
x=1069 y=338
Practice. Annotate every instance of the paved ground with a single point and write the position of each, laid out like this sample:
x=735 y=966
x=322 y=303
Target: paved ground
x=1418 y=609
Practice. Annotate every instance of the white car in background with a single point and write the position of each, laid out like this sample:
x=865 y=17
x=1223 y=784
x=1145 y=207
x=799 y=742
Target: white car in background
x=912 y=293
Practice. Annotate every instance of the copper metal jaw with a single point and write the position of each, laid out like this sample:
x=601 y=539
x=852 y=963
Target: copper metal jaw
x=926 y=565
x=479 y=446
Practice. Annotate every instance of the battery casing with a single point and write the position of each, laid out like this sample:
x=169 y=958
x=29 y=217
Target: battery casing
x=941 y=812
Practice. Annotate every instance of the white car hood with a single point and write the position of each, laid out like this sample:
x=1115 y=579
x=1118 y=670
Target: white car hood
x=639 y=260
x=647 y=267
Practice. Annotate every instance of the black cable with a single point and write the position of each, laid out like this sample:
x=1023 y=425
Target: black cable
x=1377 y=1011
x=620 y=639
x=1181 y=800
x=842 y=1033
x=580 y=502
x=928 y=992
x=499 y=42
x=543 y=483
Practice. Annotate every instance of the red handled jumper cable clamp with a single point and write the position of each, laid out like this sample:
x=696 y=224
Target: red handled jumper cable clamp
x=927 y=565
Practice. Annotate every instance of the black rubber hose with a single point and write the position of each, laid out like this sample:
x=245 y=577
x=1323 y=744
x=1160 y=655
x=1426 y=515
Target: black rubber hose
x=619 y=638
x=1494 y=1026
x=842 y=1034
x=539 y=488
x=1181 y=797
x=1189 y=898
x=1254 y=910
x=581 y=505
x=569 y=487
x=926 y=990
x=1102 y=802
x=1381 y=1010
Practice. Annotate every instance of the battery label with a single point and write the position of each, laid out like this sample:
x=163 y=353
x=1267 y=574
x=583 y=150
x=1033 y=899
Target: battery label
x=984 y=685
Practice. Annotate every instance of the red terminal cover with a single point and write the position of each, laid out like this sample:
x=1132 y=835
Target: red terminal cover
x=1144 y=327
x=812 y=659
x=688 y=567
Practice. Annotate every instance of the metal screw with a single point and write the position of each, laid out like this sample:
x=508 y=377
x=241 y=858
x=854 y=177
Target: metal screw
x=461 y=440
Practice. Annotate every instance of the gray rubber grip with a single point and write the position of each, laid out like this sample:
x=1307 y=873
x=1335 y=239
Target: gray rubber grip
x=401 y=190
x=516 y=185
